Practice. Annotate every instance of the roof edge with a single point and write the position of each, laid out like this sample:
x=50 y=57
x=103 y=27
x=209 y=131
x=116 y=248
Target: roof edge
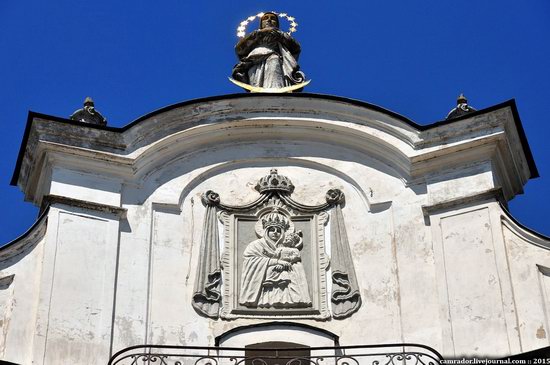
x=342 y=99
x=534 y=173
x=509 y=103
x=509 y=215
x=43 y=215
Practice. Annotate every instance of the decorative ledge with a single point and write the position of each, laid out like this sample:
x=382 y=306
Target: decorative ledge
x=57 y=199
x=6 y=281
x=27 y=240
x=544 y=270
x=497 y=193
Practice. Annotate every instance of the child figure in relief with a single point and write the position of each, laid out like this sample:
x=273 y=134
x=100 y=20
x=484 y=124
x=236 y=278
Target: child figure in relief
x=288 y=251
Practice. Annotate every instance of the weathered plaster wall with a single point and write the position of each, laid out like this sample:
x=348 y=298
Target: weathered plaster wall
x=19 y=297
x=473 y=287
x=437 y=261
x=529 y=262
x=235 y=186
x=76 y=292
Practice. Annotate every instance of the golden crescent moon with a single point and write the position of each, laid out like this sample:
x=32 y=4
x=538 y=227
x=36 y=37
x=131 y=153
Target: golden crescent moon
x=257 y=89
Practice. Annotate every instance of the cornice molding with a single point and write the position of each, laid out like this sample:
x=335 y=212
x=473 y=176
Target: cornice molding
x=50 y=200
x=527 y=234
x=28 y=239
x=413 y=151
x=495 y=193
x=6 y=281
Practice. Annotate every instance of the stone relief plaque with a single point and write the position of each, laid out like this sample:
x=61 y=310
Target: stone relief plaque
x=274 y=263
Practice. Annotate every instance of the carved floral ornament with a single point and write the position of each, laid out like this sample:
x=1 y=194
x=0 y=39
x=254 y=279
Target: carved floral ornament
x=274 y=263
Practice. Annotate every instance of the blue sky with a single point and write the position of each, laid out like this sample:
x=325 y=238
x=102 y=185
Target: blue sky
x=413 y=58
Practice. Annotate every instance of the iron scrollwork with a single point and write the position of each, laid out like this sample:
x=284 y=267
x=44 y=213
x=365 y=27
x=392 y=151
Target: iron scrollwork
x=387 y=354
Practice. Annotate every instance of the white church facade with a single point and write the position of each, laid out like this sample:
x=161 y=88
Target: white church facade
x=255 y=220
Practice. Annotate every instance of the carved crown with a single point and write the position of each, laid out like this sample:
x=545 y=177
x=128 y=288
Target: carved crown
x=274 y=181
x=275 y=219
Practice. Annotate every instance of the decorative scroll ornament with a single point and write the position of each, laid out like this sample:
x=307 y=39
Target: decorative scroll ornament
x=345 y=296
x=386 y=354
x=268 y=57
x=274 y=262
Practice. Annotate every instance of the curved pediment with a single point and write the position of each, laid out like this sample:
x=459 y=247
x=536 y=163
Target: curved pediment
x=411 y=151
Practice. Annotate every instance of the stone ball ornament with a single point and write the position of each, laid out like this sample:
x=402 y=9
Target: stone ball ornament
x=462 y=108
x=89 y=114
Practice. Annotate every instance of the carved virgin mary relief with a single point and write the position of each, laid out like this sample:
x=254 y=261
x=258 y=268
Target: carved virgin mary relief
x=273 y=274
x=274 y=262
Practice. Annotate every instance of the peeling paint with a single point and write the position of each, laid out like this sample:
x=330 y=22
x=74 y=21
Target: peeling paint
x=541 y=333
x=126 y=331
x=181 y=336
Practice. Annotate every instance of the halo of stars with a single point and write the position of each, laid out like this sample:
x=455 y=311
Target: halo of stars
x=241 y=29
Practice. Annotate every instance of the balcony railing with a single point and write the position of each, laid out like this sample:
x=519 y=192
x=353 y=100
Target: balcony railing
x=387 y=354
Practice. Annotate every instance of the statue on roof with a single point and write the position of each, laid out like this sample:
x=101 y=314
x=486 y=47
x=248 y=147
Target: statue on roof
x=268 y=57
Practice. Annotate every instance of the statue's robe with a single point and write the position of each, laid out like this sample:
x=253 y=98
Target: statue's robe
x=283 y=289
x=268 y=60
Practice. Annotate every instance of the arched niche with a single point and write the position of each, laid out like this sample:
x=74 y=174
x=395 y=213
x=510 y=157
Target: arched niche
x=261 y=333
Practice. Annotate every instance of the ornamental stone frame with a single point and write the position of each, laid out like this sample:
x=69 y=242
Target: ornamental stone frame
x=314 y=260
x=274 y=261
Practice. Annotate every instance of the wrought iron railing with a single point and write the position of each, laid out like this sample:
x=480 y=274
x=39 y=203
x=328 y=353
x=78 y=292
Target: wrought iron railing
x=386 y=354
